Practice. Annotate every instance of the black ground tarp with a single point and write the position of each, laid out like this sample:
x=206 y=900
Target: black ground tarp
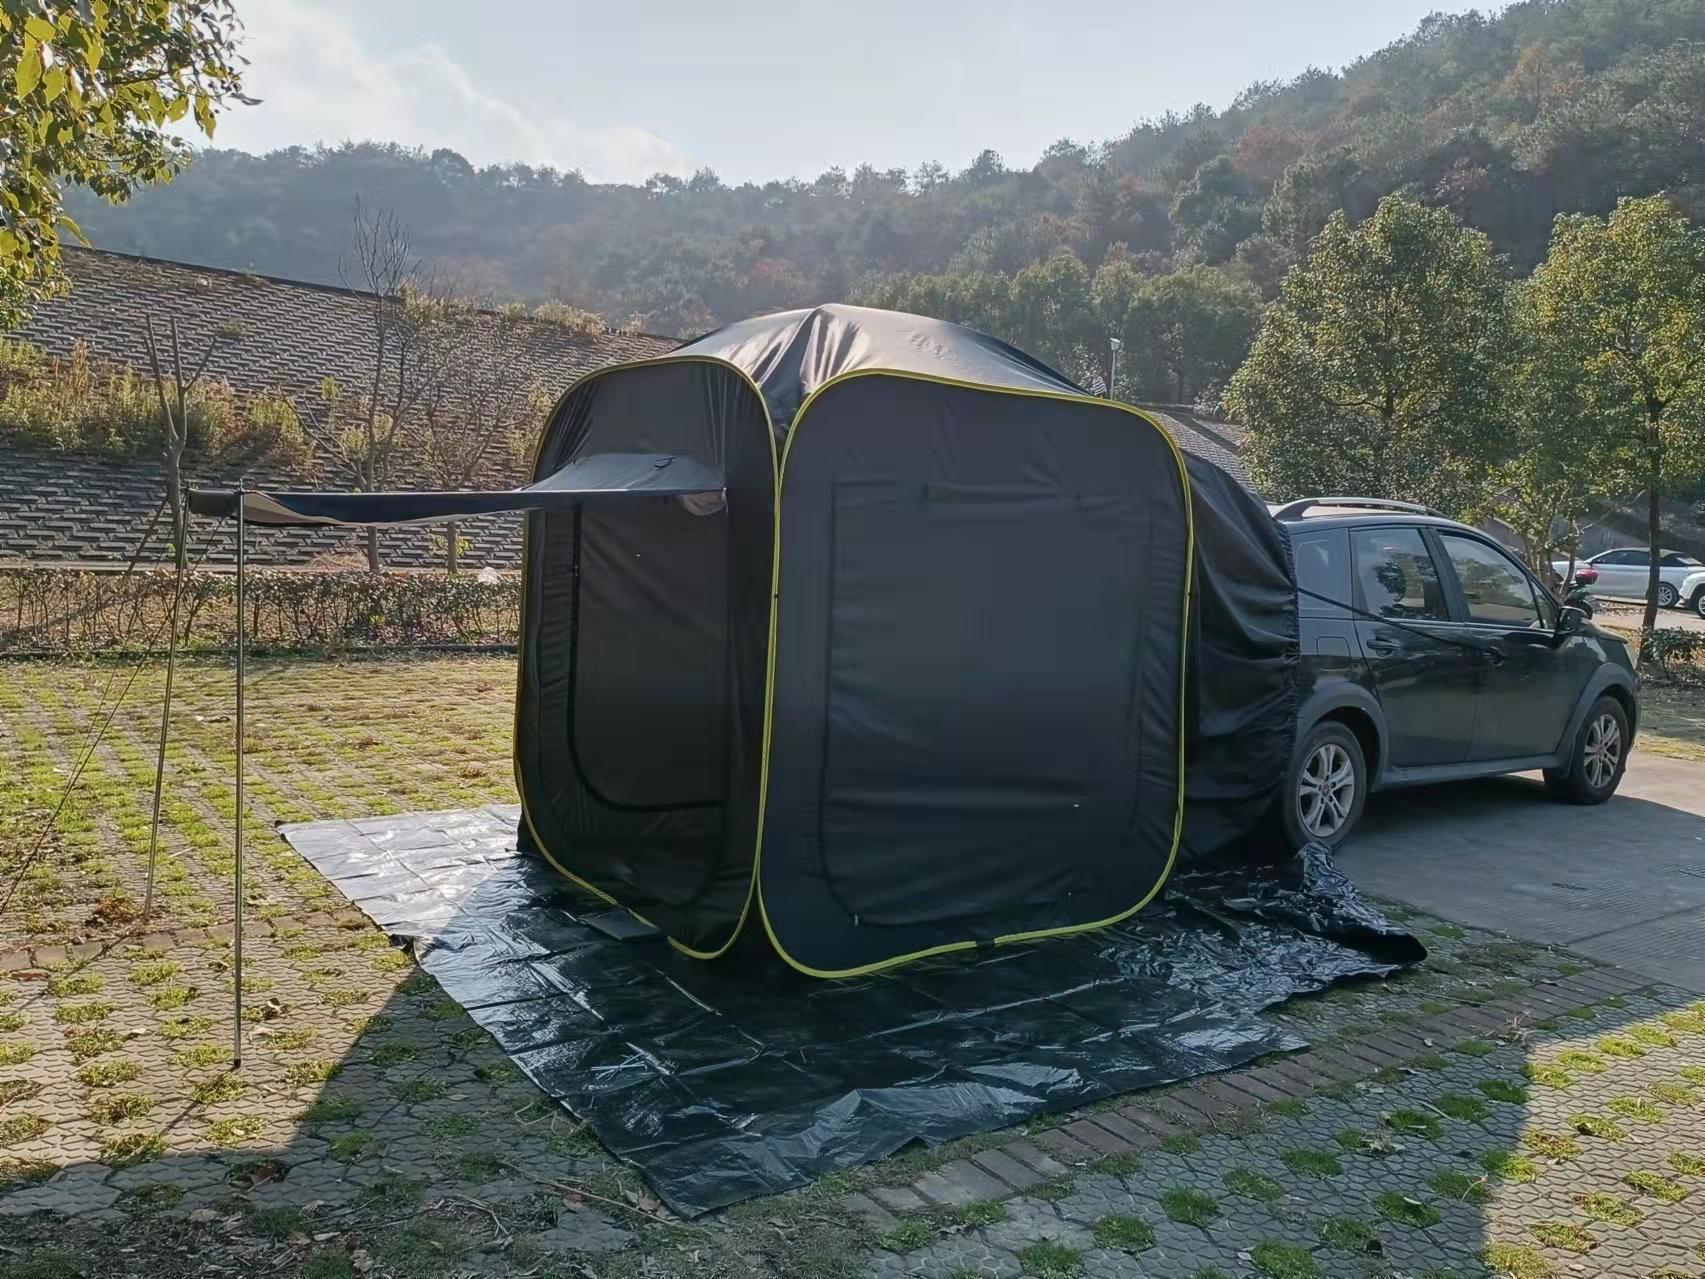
x=741 y=1078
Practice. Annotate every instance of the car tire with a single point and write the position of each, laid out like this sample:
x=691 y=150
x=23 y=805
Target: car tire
x=1699 y=601
x=1598 y=756
x=1325 y=788
x=1668 y=596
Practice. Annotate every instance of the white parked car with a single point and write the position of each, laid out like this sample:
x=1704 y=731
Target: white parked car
x=1625 y=573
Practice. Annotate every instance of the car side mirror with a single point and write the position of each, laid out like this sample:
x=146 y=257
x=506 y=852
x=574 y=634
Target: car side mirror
x=1571 y=620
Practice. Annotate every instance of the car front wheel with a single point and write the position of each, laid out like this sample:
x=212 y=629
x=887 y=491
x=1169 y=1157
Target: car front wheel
x=1699 y=601
x=1326 y=788
x=1598 y=757
x=1667 y=595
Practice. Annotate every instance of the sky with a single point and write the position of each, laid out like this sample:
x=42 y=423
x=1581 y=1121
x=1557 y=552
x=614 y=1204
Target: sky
x=759 y=89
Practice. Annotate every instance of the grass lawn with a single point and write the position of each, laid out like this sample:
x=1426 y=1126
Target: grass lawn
x=374 y=1130
x=1672 y=720
x=325 y=739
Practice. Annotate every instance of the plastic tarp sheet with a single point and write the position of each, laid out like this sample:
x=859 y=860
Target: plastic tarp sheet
x=589 y=478
x=725 y=1081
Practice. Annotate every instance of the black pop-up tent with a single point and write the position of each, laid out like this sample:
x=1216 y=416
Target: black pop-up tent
x=875 y=637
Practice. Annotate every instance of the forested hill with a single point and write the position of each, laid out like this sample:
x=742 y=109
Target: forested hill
x=1549 y=106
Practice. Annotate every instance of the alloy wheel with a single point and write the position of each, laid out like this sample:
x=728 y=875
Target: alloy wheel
x=1667 y=595
x=1603 y=751
x=1326 y=790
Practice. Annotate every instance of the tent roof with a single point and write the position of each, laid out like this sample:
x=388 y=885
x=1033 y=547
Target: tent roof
x=602 y=475
x=792 y=353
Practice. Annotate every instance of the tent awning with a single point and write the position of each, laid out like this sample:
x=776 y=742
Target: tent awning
x=590 y=478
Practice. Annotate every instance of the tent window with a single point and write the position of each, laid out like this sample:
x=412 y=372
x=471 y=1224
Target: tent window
x=648 y=709
x=984 y=648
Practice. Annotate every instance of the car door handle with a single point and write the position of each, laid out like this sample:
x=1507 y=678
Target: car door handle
x=1492 y=656
x=1381 y=645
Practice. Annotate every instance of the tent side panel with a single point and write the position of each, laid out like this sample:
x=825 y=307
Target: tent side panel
x=1242 y=687
x=977 y=700
x=643 y=653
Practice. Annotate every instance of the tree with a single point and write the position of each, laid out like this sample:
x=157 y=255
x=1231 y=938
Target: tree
x=1554 y=469
x=1214 y=212
x=90 y=88
x=368 y=434
x=1624 y=297
x=477 y=414
x=1377 y=371
x=1190 y=330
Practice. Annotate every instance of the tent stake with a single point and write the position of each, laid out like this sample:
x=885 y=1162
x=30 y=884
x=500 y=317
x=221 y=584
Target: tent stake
x=160 y=758
x=237 y=927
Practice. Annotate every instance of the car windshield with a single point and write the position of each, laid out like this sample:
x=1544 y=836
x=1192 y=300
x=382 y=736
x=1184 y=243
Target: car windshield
x=1674 y=559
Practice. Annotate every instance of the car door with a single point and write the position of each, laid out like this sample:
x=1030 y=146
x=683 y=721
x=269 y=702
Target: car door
x=1622 y=574
x=1424 y=676
x=1529 y=681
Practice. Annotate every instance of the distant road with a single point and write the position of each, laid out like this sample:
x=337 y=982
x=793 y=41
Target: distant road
x=1626 y=617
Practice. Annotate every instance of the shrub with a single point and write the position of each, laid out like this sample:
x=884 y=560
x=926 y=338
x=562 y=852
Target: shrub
x=84 y=405
x=1671 y=647
x=75 y=611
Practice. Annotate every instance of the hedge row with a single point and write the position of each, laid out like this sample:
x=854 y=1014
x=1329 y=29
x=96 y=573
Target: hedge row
x=73 y=611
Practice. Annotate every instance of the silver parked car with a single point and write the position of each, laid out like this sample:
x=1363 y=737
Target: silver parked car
x=1625 y=572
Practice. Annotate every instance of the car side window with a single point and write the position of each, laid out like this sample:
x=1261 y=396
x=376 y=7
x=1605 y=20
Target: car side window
x=1618 y=558
x=1396 y=576
x=1322 y=563
x=1498 y=593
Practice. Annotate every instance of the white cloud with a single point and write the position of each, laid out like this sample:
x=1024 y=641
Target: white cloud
x=319 y=83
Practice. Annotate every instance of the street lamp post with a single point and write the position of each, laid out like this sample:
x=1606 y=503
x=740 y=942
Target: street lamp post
x=1118 y=345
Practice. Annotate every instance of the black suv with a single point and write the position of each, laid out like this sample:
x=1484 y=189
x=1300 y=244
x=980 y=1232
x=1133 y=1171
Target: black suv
x=1429 y=654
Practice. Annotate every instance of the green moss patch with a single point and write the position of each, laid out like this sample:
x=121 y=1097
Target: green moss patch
x=1552 y=1145
x=1468 y=1109
x=1413 y=1123
x=1506 y=1166
x=1657 y=1185
x=1278 y=1260
x=1189 y=1207
x=1503 y=1090
x=1348 y=1234
x=1124 y=1234
x=1453 y=1183
x=1598 y=1126
x=1046 y=1259
x=1565 y=1235
x=1406 y=1211
x=1612 y=1210
x=1516 y=1261
x=1253 y=1185
x=1312 y=1163
x=1689 y=1163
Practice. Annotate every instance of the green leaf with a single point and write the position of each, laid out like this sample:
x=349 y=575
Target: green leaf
x=28 y=72
x=53 y=83
x=40 y=28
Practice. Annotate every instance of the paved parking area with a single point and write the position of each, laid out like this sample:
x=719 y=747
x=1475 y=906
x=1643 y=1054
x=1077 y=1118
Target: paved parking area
x=1623 y=883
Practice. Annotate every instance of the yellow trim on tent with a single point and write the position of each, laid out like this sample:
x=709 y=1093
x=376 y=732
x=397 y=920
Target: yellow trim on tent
x=769 y=693
x=515 y=739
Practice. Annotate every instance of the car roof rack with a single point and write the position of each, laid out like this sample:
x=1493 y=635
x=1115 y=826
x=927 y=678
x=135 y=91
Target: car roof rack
x=1302 y=506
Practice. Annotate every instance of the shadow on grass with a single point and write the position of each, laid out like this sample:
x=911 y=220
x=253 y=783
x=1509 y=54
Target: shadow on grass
x=374 y=1121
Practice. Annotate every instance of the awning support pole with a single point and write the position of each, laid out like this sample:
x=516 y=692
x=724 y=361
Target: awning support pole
x=237 y=926
x=160 y=758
